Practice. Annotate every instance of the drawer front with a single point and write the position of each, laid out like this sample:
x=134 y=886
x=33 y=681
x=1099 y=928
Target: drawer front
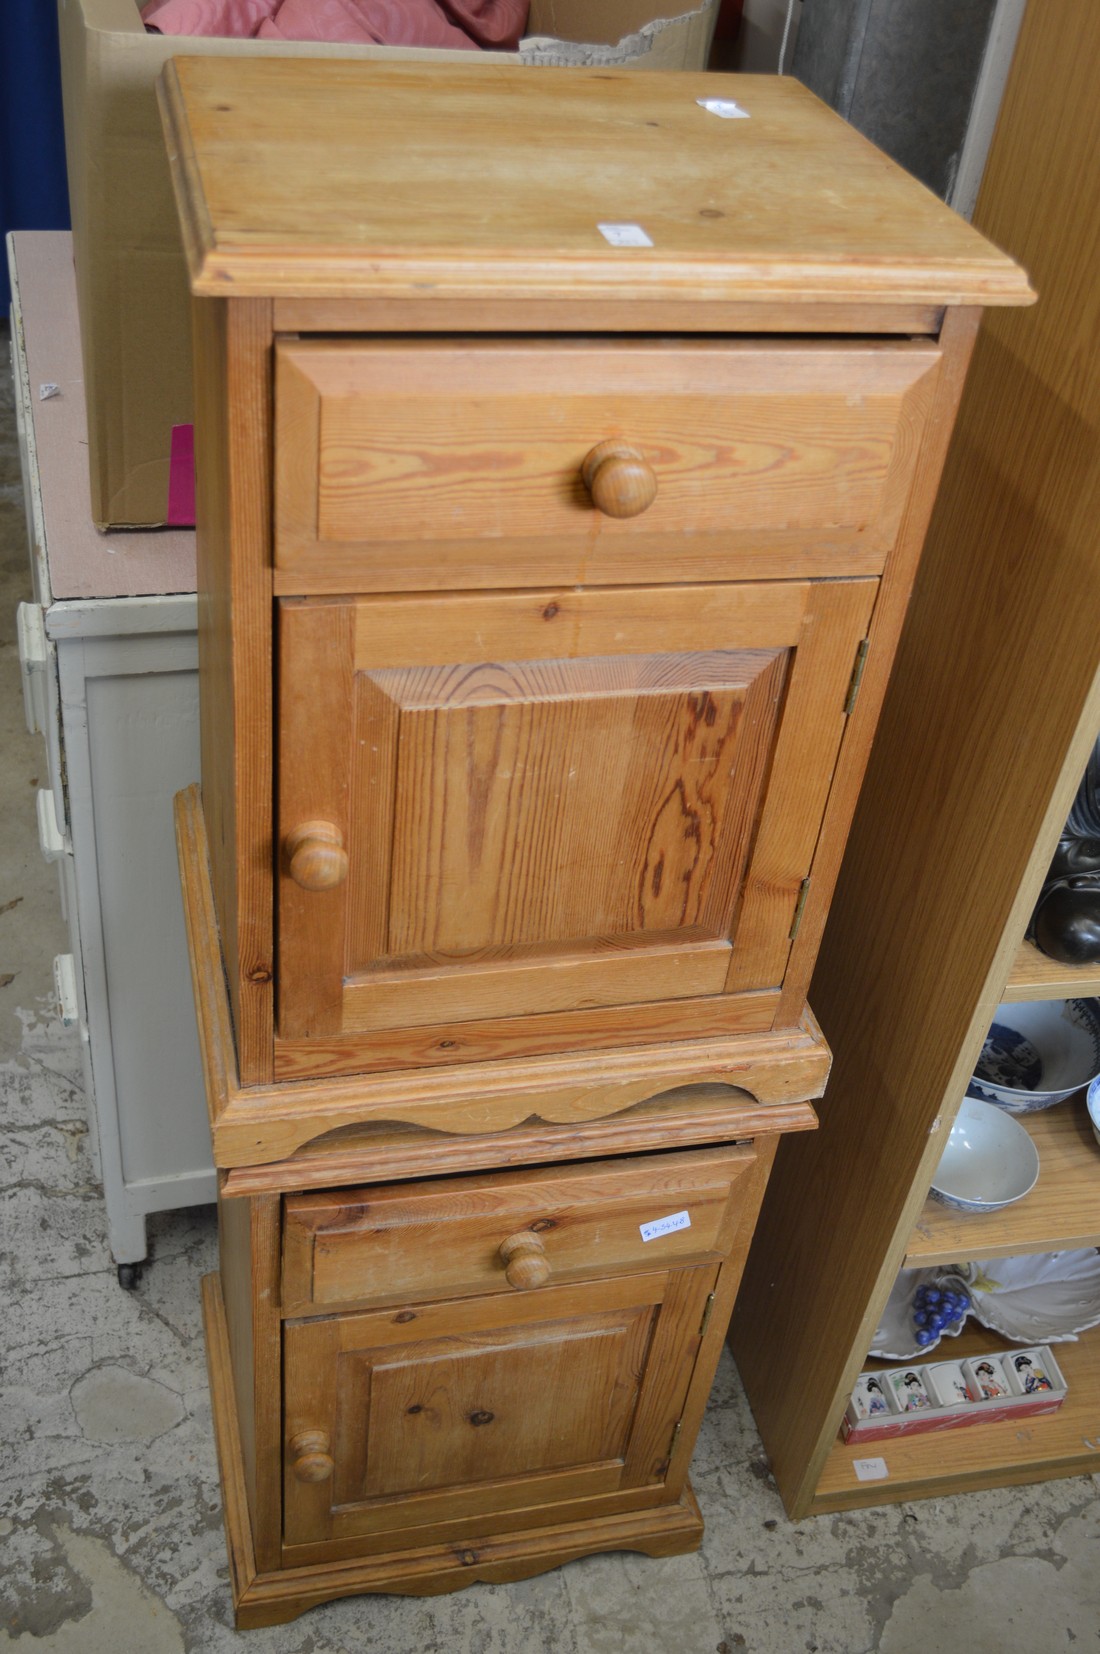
x=515 y=1231
x=424 y=464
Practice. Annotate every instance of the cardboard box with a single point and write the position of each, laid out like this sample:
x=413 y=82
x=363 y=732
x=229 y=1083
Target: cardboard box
x=131 y=284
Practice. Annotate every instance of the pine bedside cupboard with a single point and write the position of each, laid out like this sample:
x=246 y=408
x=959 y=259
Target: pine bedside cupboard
x=564 y=451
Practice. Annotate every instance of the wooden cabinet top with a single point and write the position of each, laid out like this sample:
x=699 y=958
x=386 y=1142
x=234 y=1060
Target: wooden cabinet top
x=307 y=179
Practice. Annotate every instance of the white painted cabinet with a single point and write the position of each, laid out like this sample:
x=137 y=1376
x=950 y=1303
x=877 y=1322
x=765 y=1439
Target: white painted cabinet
x=110 y=673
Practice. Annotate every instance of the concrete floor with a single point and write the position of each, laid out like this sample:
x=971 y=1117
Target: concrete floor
x=110 y=1520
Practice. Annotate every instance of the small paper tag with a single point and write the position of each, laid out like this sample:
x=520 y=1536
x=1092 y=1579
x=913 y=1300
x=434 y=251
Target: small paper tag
x=725 y=107
x=664 y=1226
x=870 y=1470
x=48 y=390
x=624 y=235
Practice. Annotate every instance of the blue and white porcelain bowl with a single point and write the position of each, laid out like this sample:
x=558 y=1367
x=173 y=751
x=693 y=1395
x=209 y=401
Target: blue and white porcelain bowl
x=988 y=1160
x=1038 y=1052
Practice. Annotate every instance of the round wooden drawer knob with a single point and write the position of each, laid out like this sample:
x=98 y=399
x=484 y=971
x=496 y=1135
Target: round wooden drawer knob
x=316 y=855
x=312 y=1459
x=525 y=1261
x=619 y=480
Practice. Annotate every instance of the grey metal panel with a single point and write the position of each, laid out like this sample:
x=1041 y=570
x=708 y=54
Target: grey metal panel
x=904 y=72
x=987 y=104
x=827 y=54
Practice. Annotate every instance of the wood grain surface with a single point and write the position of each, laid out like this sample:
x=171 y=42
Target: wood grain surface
x=233 y=459
x=508 y=1552
x=298 y=179
x=441 y=1416
x=262 y=1124
x=588 y=315
x=481 y=446
x=556 y=833
x=410 y=1242
x=1035 y=975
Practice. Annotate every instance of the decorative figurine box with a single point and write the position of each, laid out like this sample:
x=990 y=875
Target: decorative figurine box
x=905 y=1401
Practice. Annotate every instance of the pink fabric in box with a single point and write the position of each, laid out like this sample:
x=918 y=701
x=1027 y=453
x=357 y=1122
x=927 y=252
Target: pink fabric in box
x=463 y=25
x=236 y=19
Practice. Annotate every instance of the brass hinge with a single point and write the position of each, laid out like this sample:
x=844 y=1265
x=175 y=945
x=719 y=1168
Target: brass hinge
x=803 y=892
x=675 y=1438
x=857 y=677
x=707 y=1307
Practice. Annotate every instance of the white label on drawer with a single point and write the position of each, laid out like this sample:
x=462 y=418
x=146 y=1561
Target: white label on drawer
x=725 y=107
x=870 y=1470
x=665 y=1226
x=624 y=235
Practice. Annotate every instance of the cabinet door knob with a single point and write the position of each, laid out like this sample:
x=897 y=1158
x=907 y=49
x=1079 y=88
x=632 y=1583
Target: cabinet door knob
x=525 y=1261
x=316 y=855
x=620 y=481
x=312 y=1459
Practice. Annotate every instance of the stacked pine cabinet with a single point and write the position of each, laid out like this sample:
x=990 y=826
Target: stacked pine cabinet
x=565 y=446
x=991 y=716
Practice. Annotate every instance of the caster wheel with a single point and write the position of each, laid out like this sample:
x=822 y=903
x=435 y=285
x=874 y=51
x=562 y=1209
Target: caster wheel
x=129 y=1274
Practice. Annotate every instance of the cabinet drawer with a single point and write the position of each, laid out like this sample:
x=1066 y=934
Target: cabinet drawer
x=409 y=1243
x=425 y=464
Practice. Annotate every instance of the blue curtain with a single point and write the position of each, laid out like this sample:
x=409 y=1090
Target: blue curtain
x=33 y=188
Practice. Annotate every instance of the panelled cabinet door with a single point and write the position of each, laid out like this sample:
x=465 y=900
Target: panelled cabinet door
x=502 y=805
x=488 y=1412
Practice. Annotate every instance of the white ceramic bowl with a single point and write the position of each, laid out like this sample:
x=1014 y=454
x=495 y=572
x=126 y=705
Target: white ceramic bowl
x=1037 y=1053
x=988 y=1161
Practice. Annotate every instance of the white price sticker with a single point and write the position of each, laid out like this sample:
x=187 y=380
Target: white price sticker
x=624 y=235
x=724 y=107
x=870 y=1470
x=664 y=1226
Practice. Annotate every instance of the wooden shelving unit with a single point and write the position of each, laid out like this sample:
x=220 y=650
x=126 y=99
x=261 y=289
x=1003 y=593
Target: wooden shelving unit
x=993 y=710
x=1065 y=1443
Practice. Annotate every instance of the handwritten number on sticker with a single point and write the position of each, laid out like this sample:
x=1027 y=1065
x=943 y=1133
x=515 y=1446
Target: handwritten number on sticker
x=664 y=1226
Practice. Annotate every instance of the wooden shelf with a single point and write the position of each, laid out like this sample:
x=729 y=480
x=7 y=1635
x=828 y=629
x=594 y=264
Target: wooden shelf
x=1034 y=976
x=1062 y=1211
x=1065 y=1443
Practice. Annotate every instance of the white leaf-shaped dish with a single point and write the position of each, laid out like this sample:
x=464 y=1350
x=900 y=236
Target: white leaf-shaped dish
x=1042 y=1298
